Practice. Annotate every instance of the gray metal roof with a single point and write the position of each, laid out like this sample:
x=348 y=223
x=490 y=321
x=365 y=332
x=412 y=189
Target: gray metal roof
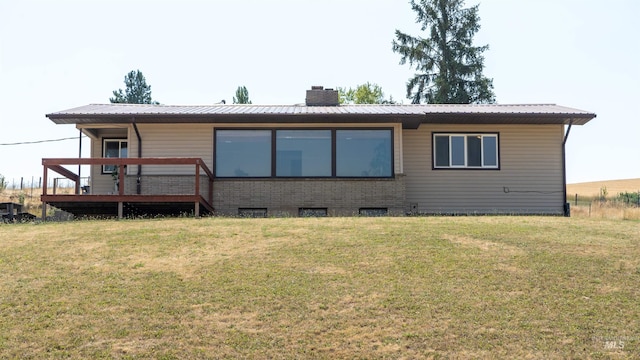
x=410 y=115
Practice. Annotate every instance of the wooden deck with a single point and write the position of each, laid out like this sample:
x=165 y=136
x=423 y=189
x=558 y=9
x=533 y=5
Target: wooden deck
x=122 y=204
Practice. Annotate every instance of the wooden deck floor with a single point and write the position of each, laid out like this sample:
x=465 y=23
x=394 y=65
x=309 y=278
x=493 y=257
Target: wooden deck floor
x=132 y=205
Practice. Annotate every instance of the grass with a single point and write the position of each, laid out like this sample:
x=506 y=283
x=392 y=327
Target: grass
x=420 y=287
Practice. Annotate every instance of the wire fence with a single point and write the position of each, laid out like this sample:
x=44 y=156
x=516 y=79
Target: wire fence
x=33 y=182
x=625 y=199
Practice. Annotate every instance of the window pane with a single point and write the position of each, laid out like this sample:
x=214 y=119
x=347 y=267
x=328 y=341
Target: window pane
x=123 y=149
x=243 y=153
x=457 y=151
x=303 y=153
x=111 y=149
x=442 y=151
x=474 y=150
x=363 y=153
x=490 y=144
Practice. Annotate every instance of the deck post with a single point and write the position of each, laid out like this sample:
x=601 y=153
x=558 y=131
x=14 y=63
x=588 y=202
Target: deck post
x=197 y=209
x=197 y=184
x=44 y=192
x=120 y=209
x=121 y=170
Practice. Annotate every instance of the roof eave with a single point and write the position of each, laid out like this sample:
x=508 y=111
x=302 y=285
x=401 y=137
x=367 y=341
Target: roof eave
x=409 y=121
x=523 y=119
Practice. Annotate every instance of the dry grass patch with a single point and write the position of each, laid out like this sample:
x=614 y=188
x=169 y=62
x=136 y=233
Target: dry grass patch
x=607 y=211
x=464 y=287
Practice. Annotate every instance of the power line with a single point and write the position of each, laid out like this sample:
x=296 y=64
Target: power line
x=38 y=141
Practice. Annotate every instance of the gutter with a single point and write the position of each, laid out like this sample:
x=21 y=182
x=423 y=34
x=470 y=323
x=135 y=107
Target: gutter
x=566 y=206
x=138 y=185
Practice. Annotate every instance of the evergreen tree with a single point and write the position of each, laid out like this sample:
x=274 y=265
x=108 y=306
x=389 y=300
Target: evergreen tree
x=449 y=66
x=242 y=96
x=137 y=91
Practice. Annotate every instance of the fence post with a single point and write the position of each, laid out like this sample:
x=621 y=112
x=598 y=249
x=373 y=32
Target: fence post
x=576 y=200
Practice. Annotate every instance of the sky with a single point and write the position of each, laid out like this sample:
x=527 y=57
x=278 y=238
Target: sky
x=57 y=55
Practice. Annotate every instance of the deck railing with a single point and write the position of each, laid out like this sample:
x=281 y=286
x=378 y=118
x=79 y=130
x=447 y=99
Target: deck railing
x=200 y=169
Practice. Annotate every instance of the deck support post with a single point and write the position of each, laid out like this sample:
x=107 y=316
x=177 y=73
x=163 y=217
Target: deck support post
x=197 y=209
x=120 y=209
x=45 y=172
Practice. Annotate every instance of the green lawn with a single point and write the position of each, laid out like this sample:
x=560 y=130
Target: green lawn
x=420 y=287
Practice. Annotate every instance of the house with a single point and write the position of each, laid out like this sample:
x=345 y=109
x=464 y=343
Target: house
x=319 y=158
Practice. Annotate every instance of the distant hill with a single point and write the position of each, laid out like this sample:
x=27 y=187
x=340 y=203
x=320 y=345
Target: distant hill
x=614 y=187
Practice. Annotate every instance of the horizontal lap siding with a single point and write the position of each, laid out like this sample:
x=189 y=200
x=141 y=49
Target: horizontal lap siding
x=170 y=140
x=529 y=180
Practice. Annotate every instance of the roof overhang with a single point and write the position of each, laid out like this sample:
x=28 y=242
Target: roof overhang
x=411 y=116
x=535 y=119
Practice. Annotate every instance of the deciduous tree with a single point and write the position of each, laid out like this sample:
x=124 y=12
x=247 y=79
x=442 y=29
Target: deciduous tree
x=364 y=94
x=449 y=67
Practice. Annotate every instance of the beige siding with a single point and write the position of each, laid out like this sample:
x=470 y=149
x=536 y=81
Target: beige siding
x=171 y=140
x=529 y=179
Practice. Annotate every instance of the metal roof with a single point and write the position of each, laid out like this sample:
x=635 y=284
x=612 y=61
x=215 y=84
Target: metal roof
x=410 y=115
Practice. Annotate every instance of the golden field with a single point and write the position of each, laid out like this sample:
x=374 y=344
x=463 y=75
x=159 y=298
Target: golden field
x=613 y=187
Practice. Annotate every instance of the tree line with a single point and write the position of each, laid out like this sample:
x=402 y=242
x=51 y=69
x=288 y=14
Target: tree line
x=448 y=65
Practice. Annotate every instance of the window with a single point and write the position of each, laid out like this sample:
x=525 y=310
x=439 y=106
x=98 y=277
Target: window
x=363 y=153
x=291 y=153
x=113 y=148
x=475 y=151
x=303 y=153
x=243 y=153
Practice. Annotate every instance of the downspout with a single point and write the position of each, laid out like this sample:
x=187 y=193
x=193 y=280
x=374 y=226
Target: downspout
x=566 y=206
x=138 y=185
x=78 y=192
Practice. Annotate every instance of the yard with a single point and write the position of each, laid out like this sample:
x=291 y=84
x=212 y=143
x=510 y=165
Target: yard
x=414 y=287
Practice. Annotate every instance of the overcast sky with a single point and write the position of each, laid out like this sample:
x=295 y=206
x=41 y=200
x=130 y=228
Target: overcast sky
x=56 y=55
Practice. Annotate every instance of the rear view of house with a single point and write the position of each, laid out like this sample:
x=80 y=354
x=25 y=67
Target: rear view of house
x=319 y=158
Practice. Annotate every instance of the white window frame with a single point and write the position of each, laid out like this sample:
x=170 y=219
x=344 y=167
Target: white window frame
x=106 y=169
x=466 y=165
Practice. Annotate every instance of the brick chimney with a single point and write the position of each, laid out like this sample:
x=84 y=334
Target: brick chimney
x=319 y=96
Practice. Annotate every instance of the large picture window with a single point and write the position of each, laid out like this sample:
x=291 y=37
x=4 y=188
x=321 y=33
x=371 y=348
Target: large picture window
x=474 y=151
x=243 y=153
x=303 y=153
x=113 y=148
x=363 y=153
x=291 y=153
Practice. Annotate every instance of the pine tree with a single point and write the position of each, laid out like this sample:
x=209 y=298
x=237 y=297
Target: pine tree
x=449 y=68
x=242 y=96
x=137 y=91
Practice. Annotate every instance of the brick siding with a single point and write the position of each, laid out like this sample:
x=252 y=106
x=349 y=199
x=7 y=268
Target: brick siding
x=283 y=197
